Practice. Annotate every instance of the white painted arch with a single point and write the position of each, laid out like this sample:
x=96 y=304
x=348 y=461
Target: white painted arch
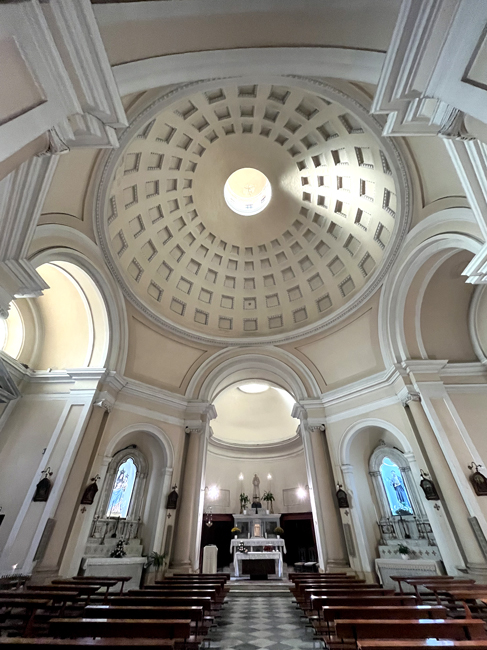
x=446 y=231
x=226 y=367
x=152 y=430
x=331 y=62
x=355 y=428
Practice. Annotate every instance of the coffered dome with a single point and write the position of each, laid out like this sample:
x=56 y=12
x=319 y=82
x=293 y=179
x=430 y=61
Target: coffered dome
x=321 y=244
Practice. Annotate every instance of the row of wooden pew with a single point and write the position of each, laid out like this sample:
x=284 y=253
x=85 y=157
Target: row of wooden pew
x=348 y=613
x=95 y=611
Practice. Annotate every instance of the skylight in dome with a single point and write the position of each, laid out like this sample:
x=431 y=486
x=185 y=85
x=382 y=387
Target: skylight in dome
x=254 y=388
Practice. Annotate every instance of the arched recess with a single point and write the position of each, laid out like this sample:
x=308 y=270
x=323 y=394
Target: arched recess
x=57 y=243
x=74 y=320
x=355 y=449
x=155 y=445
x=430 y=250
x=226 y=367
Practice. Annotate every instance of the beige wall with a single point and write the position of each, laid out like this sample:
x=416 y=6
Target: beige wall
x=287 y=474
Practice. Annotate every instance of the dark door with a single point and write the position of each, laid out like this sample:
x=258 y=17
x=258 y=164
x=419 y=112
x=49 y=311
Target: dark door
x=299 y=537
x=219 y=534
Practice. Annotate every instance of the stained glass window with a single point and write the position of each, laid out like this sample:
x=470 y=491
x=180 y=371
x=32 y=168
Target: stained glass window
x=396 y=492
x=123 y=487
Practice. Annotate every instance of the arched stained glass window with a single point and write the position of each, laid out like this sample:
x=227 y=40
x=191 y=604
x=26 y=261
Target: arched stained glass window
x=396 y=492
x=123 y=486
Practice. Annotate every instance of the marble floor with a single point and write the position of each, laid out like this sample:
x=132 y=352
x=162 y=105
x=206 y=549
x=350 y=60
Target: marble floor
x=261 y=620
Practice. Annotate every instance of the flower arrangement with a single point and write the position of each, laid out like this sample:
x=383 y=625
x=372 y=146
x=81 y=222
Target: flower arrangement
x=235 y=530
x=244 y=500
x=278 y=530
x=403 y=550
x=268 y=497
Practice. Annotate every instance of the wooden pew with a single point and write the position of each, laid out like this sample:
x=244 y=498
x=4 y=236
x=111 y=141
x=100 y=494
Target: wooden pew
x=189 y=585
x=302 y=587
x=157 y=629
x=419 y=644
x=164 y=601
x=317 y=602
x=358 y=593
x=331 y=613
x=105 y=583
x=467 y=628
x=29 y=605
x=16 y=643
x=121 y=579
x=194 y=613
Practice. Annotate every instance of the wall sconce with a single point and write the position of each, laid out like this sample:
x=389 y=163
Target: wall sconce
x=240 y=477
x=342 y=496
x=172 y=499
x=428 y=487
x=209 y=517
x=478 y=480
x=269 y=477
x=302 y=492
x=90 y=492
x=43 y=488
x=213 y=492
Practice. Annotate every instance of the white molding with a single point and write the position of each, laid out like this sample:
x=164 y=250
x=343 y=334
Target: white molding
x=22 y=194
x=148 y=413
x=361 y=410
x=330 y=62
x=361 y=387
x=356 y=427
x=423 y=85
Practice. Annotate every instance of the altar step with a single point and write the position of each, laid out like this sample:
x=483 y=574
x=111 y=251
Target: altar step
x=252 y=588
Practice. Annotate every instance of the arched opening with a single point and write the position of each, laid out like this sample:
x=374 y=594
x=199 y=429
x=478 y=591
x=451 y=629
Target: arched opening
x=130 y=506
x=257 y=479
x=72 y=319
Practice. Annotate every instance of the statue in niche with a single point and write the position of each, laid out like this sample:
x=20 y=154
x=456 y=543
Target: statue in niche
x=256 y=493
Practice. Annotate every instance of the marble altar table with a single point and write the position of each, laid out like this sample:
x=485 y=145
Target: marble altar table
x=258 y=555
x=408 y=568
x=258 y=541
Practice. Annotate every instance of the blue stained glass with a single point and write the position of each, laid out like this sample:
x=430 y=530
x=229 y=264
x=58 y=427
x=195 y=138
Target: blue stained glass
x=395 y=489
x=122 y=490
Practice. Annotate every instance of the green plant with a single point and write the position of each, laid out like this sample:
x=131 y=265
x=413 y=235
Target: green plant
x=244 y=499
x=278 y=530
x=403 y=550
x=268 y=496
x=156 y=560
x=235 y=530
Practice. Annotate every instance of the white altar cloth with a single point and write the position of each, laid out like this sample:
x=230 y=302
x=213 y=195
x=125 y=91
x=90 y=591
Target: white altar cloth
x=271 y=555
x=258 y=541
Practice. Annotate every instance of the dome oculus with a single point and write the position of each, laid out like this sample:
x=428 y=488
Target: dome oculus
x=247 y=191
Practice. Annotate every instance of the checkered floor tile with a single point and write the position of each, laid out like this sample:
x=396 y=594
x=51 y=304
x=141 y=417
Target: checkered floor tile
x=267 y=622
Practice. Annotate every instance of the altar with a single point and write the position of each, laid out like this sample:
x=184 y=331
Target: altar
x=258 y=544
x=257 y=563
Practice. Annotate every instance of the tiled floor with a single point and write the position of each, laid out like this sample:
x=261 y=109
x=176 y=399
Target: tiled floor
x=261 y=622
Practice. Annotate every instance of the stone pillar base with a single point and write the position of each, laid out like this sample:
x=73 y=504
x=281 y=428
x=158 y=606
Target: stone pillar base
x=180 y=567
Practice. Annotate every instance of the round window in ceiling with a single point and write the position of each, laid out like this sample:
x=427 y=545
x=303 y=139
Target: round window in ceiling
x=247 y=191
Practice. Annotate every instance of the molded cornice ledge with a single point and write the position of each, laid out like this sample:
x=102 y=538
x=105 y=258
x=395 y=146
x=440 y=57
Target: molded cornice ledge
x=22 y=194
x=424 y=366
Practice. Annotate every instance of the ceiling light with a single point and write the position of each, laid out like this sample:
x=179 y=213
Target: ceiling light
x=254 y=388
x=247 y=191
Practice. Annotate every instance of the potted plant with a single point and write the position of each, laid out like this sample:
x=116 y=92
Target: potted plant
x=268 y=497
x=156 y=564
x=404 y=551
x=235 y=530
x=278 y=531
x=244 y=499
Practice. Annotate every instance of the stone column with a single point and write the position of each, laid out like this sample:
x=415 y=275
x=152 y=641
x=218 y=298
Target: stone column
x=329 y=536
x=453 y=499
x=190 y=512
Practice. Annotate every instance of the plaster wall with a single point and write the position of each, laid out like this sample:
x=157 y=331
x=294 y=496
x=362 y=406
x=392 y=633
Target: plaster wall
x=22 y=440
x=287 y=474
